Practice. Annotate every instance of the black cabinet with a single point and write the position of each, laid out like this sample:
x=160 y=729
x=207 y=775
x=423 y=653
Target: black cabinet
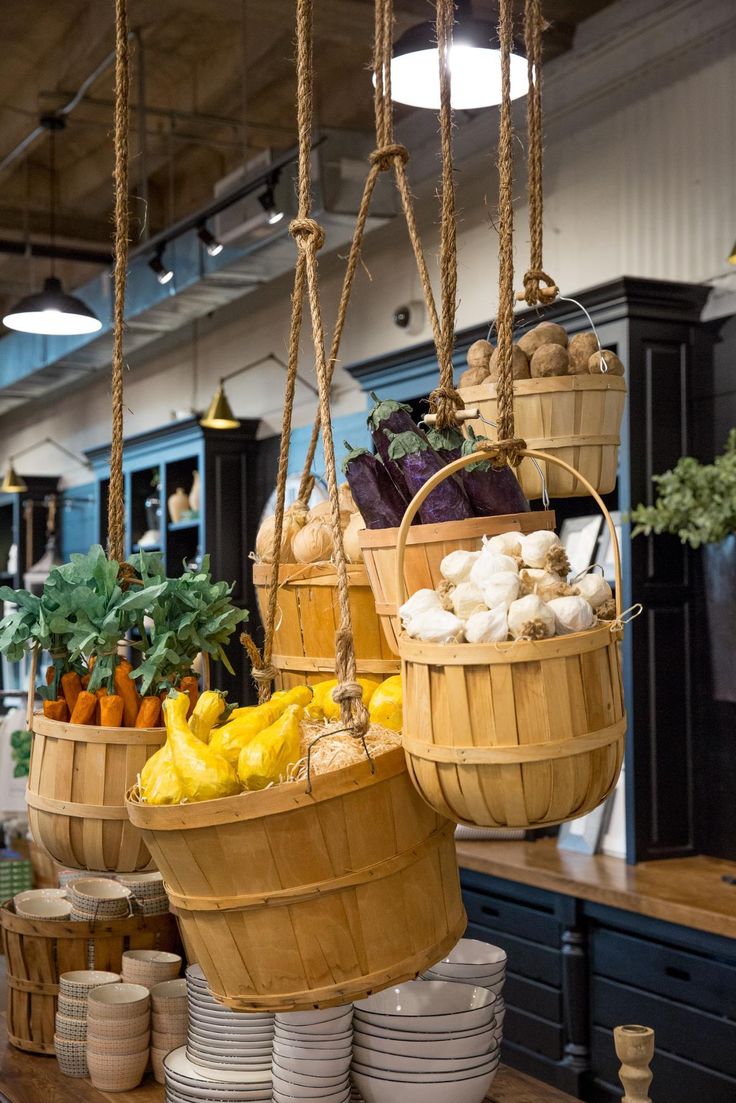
x=578 y=969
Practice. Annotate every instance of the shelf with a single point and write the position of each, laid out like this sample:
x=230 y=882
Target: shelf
x=182 y=526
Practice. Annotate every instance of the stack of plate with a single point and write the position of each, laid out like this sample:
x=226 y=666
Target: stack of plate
x=188 y=1083
x=148 y=892
x=170 y=1021
x=425 y=1042
x=479 y=964
x=94 y=898
x=218 y=1038
x=312 y=1054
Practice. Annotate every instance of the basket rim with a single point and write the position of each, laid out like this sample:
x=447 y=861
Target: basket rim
x=78 y=929
x=90 y=733
x=267 y=802
x=307 y=572
x=550 y=384
x=509 y=651
x=448 y=530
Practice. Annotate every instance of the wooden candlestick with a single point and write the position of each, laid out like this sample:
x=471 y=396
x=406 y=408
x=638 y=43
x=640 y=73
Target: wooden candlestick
x=634 y=1049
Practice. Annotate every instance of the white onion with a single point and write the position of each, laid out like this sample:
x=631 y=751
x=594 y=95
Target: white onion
x=489 y=564
x=419 y=602
x=535 y=546
x=594 y=588
x=466 y=599
x=505 y=543
x=530 y=610
x=572 y=614
x=501 y=589
x=456 y=566
x=489 y=626
x=436 y=626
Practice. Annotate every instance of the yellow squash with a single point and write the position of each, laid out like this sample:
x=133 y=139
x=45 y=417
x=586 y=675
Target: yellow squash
x=386 y=707
x=204 y=775
x=207 y=711
x=266 y=758
x=245 y=723
x=159 y=781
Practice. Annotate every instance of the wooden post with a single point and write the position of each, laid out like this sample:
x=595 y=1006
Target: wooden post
x=634 y=1049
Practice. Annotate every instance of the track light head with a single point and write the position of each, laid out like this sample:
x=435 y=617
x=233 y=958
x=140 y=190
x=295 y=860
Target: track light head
x=210 y=242
x=267 y=200
x=163 y=273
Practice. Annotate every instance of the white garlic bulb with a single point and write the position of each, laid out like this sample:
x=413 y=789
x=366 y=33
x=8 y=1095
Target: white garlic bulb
x=535 y=547
x=488 y=626
x=420 y=602
x=466 y=599
x=545 y=584
x=489 y=564
x=456 y=566
x=594 y=588
x=505 y=543
x=436 y=626
x=501 y=589
x=572 y=614
x=529 y=616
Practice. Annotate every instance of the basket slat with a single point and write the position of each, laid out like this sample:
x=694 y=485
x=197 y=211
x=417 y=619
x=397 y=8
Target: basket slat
x=576 y=418
x=308 y=617
x=290 y=900
x=76 y=789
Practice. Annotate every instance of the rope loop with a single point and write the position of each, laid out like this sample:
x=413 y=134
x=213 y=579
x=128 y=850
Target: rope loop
x=307 y=233
x=533 y=293
x=387 y=156
x=444 y=403
x=502 y=452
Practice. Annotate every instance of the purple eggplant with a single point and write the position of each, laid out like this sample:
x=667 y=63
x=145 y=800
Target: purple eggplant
x=418 y=462
x=381 y=503
x=448 y=443
x=389 y=416
x=491 y=490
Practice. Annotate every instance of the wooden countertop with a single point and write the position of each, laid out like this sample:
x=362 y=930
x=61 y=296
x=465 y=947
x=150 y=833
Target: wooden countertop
x=25 y=1078
x=687 y=891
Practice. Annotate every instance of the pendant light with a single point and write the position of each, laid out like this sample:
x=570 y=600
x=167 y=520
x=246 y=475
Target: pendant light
x=52 y=312
x=219 y=412
x=13 y=483
x=475 y=65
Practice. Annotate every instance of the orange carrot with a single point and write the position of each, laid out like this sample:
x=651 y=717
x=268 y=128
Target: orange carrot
x=190 y=686
x=85 y=680
x=101 y=692
x=149 y=714
x=111 y=710
x=127 y=690
x=71 y=687
x=84 y=710
x=56 y=710
x=50 y=671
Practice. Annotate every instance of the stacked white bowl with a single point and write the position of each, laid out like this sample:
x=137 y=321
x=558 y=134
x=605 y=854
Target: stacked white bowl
x=425 y=1042
x=169 y=1022
x=312 y=1054
x=479 y=964
x=148 y=891
x=190 y=1083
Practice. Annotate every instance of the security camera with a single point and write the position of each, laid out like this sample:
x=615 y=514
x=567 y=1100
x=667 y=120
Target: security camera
x=410 y=317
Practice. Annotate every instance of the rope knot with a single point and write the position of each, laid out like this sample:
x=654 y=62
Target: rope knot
x=306 y=232
x=387 y=155
x=347 y=691
x=534 y=294
x=128 y=576
x=502 y=452
x=444 y=403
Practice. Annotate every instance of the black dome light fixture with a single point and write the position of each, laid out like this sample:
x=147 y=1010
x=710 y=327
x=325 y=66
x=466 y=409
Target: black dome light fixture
x=52 y=312
x=475 y=65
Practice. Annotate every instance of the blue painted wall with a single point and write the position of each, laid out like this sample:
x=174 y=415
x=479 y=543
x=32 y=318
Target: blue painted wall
x=351 y=427
x=78 y=519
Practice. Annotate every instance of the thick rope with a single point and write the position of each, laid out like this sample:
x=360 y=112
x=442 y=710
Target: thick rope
x=445 y=400
x=116 y=499
x=387 y=155
x=533 y=293
x=505 y=319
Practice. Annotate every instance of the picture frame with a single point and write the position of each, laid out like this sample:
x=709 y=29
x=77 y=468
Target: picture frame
x=604 y=552
x=583 y=835
x=581 y=537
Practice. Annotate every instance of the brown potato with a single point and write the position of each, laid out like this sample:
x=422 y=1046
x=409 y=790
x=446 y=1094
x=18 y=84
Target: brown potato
x=615 y=367
x=581 y=347
x=550 y=360
x=546 y=333
x=472 y=377
x=519 y=364
x=479 y=355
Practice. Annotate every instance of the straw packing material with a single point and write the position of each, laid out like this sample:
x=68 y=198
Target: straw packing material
x=150 y=967
x=118 y=1047
x=117 y=1074
x=70 y=1030
x=72 y=1057
x=118 y=1002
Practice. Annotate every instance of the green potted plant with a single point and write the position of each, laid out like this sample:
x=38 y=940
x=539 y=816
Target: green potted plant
x=697 y=503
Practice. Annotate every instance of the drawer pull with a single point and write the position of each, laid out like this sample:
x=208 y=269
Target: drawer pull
x=489 y=911
x=677 y=974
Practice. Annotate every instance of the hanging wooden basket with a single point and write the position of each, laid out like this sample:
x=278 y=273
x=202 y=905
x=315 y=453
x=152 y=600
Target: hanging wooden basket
x=78 y=779
x=38 y=951
x=522 y=734
x=574 y=418
x=308 y=616
x=290 y=900
x=426 y=547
